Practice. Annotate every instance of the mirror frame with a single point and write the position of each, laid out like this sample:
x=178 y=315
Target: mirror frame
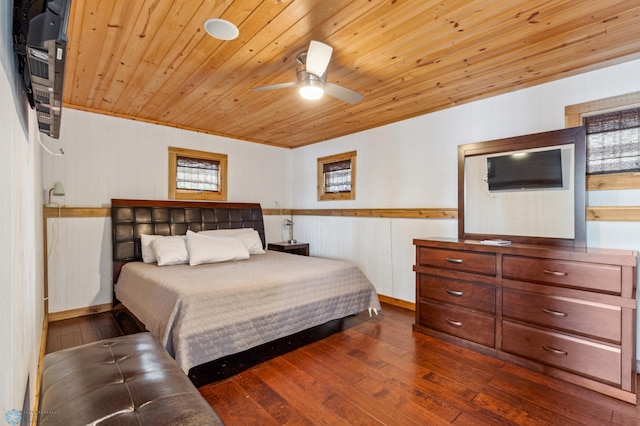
x=575 y=136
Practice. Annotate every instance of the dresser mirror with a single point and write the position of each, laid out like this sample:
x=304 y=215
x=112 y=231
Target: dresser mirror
x=527 y=189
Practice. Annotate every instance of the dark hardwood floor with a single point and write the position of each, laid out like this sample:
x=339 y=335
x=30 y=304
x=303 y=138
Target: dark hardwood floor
x=378 y=371
x=79 y=331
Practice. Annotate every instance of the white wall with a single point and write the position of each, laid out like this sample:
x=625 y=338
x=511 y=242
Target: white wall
x=107 y=157
x=21 y=276
x=413 y=163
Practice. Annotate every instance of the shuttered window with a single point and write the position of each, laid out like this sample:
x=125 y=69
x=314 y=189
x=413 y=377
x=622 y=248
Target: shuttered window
x=197 y=175
x=613 y=142
x=336 y=177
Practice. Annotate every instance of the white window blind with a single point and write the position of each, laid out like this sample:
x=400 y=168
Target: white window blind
x=197 y=174
x=613 y=142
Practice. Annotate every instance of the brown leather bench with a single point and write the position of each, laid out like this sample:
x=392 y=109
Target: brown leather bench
x=127 y=380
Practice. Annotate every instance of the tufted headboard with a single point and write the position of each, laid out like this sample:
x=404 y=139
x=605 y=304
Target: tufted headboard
x=132 y=218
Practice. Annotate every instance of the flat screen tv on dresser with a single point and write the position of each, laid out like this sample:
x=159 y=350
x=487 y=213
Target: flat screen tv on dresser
x=535 y=296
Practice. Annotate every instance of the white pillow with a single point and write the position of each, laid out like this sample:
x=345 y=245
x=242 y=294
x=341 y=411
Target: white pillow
x=210 y=249
x=147 y=253
x=249 y=237
x=170 y=250
x=252 y=241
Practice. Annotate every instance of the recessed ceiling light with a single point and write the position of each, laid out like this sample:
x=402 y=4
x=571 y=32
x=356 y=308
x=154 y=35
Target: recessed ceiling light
x=221 y=29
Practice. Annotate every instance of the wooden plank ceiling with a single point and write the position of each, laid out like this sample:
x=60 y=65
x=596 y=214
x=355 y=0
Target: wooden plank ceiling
x=151 y=60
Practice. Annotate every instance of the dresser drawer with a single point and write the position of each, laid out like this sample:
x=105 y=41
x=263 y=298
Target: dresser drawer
x=461 y=293
x=592 y=276
x=480 y=263
x=458 y=322
x=572 y=315
x=584 y=357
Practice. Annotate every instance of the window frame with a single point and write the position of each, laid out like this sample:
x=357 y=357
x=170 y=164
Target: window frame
x=574 y=117
x=347 y=195
x=189 y=194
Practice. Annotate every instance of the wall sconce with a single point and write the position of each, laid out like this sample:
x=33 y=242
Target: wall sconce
x=289 y=223
x=58 y=191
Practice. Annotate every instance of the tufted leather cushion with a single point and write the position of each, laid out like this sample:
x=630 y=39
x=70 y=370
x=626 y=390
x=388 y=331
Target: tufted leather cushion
x=127 y=380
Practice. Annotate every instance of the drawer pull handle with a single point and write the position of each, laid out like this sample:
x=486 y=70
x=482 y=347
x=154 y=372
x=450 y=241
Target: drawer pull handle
x=452 y=260
x=454 y=292
x=454 y=323
x=552 y=312
x=556 y=273
x=554 y=351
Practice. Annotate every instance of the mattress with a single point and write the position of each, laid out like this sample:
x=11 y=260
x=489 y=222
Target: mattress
x=202 y=313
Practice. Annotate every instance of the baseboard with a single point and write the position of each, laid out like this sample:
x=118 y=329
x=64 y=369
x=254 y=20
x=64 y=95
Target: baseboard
x=397 y=302
x=79 y=312
x=43 y=351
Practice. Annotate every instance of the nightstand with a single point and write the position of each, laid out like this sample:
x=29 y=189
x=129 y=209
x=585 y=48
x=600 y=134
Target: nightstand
x=293 y=248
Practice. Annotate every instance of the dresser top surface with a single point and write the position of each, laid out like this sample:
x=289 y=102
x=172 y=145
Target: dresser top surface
x=622 y=256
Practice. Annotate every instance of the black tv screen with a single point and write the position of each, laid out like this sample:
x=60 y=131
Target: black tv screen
x=539 y=169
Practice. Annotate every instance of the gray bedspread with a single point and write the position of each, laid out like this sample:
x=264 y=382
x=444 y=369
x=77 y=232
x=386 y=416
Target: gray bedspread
x=201 y=313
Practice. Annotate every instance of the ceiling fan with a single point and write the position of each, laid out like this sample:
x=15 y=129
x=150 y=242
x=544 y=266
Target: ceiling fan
x=312 y=76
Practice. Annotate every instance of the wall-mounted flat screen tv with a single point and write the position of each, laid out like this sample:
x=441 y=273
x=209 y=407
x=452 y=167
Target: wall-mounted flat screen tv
x=531 y=170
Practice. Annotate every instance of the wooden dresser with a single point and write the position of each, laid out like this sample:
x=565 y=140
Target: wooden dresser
x=567 y=312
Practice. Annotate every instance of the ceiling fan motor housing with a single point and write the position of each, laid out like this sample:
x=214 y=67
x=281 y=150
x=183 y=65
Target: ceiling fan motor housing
x=309 y=79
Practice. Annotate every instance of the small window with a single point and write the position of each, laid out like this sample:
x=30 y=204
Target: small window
x=613 y=142
x=337 y=177
x=197 y=175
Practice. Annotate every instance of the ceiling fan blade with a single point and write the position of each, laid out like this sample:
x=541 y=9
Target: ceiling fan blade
x=275 y=86
x=342 y=93
x=318 y=57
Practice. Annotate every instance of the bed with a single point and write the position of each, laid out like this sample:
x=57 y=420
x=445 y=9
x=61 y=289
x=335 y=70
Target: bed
x=210 y=310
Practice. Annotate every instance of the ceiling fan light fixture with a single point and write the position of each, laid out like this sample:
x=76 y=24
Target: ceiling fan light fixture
x=311 y=92
x=311 y=76
x=221 y=29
